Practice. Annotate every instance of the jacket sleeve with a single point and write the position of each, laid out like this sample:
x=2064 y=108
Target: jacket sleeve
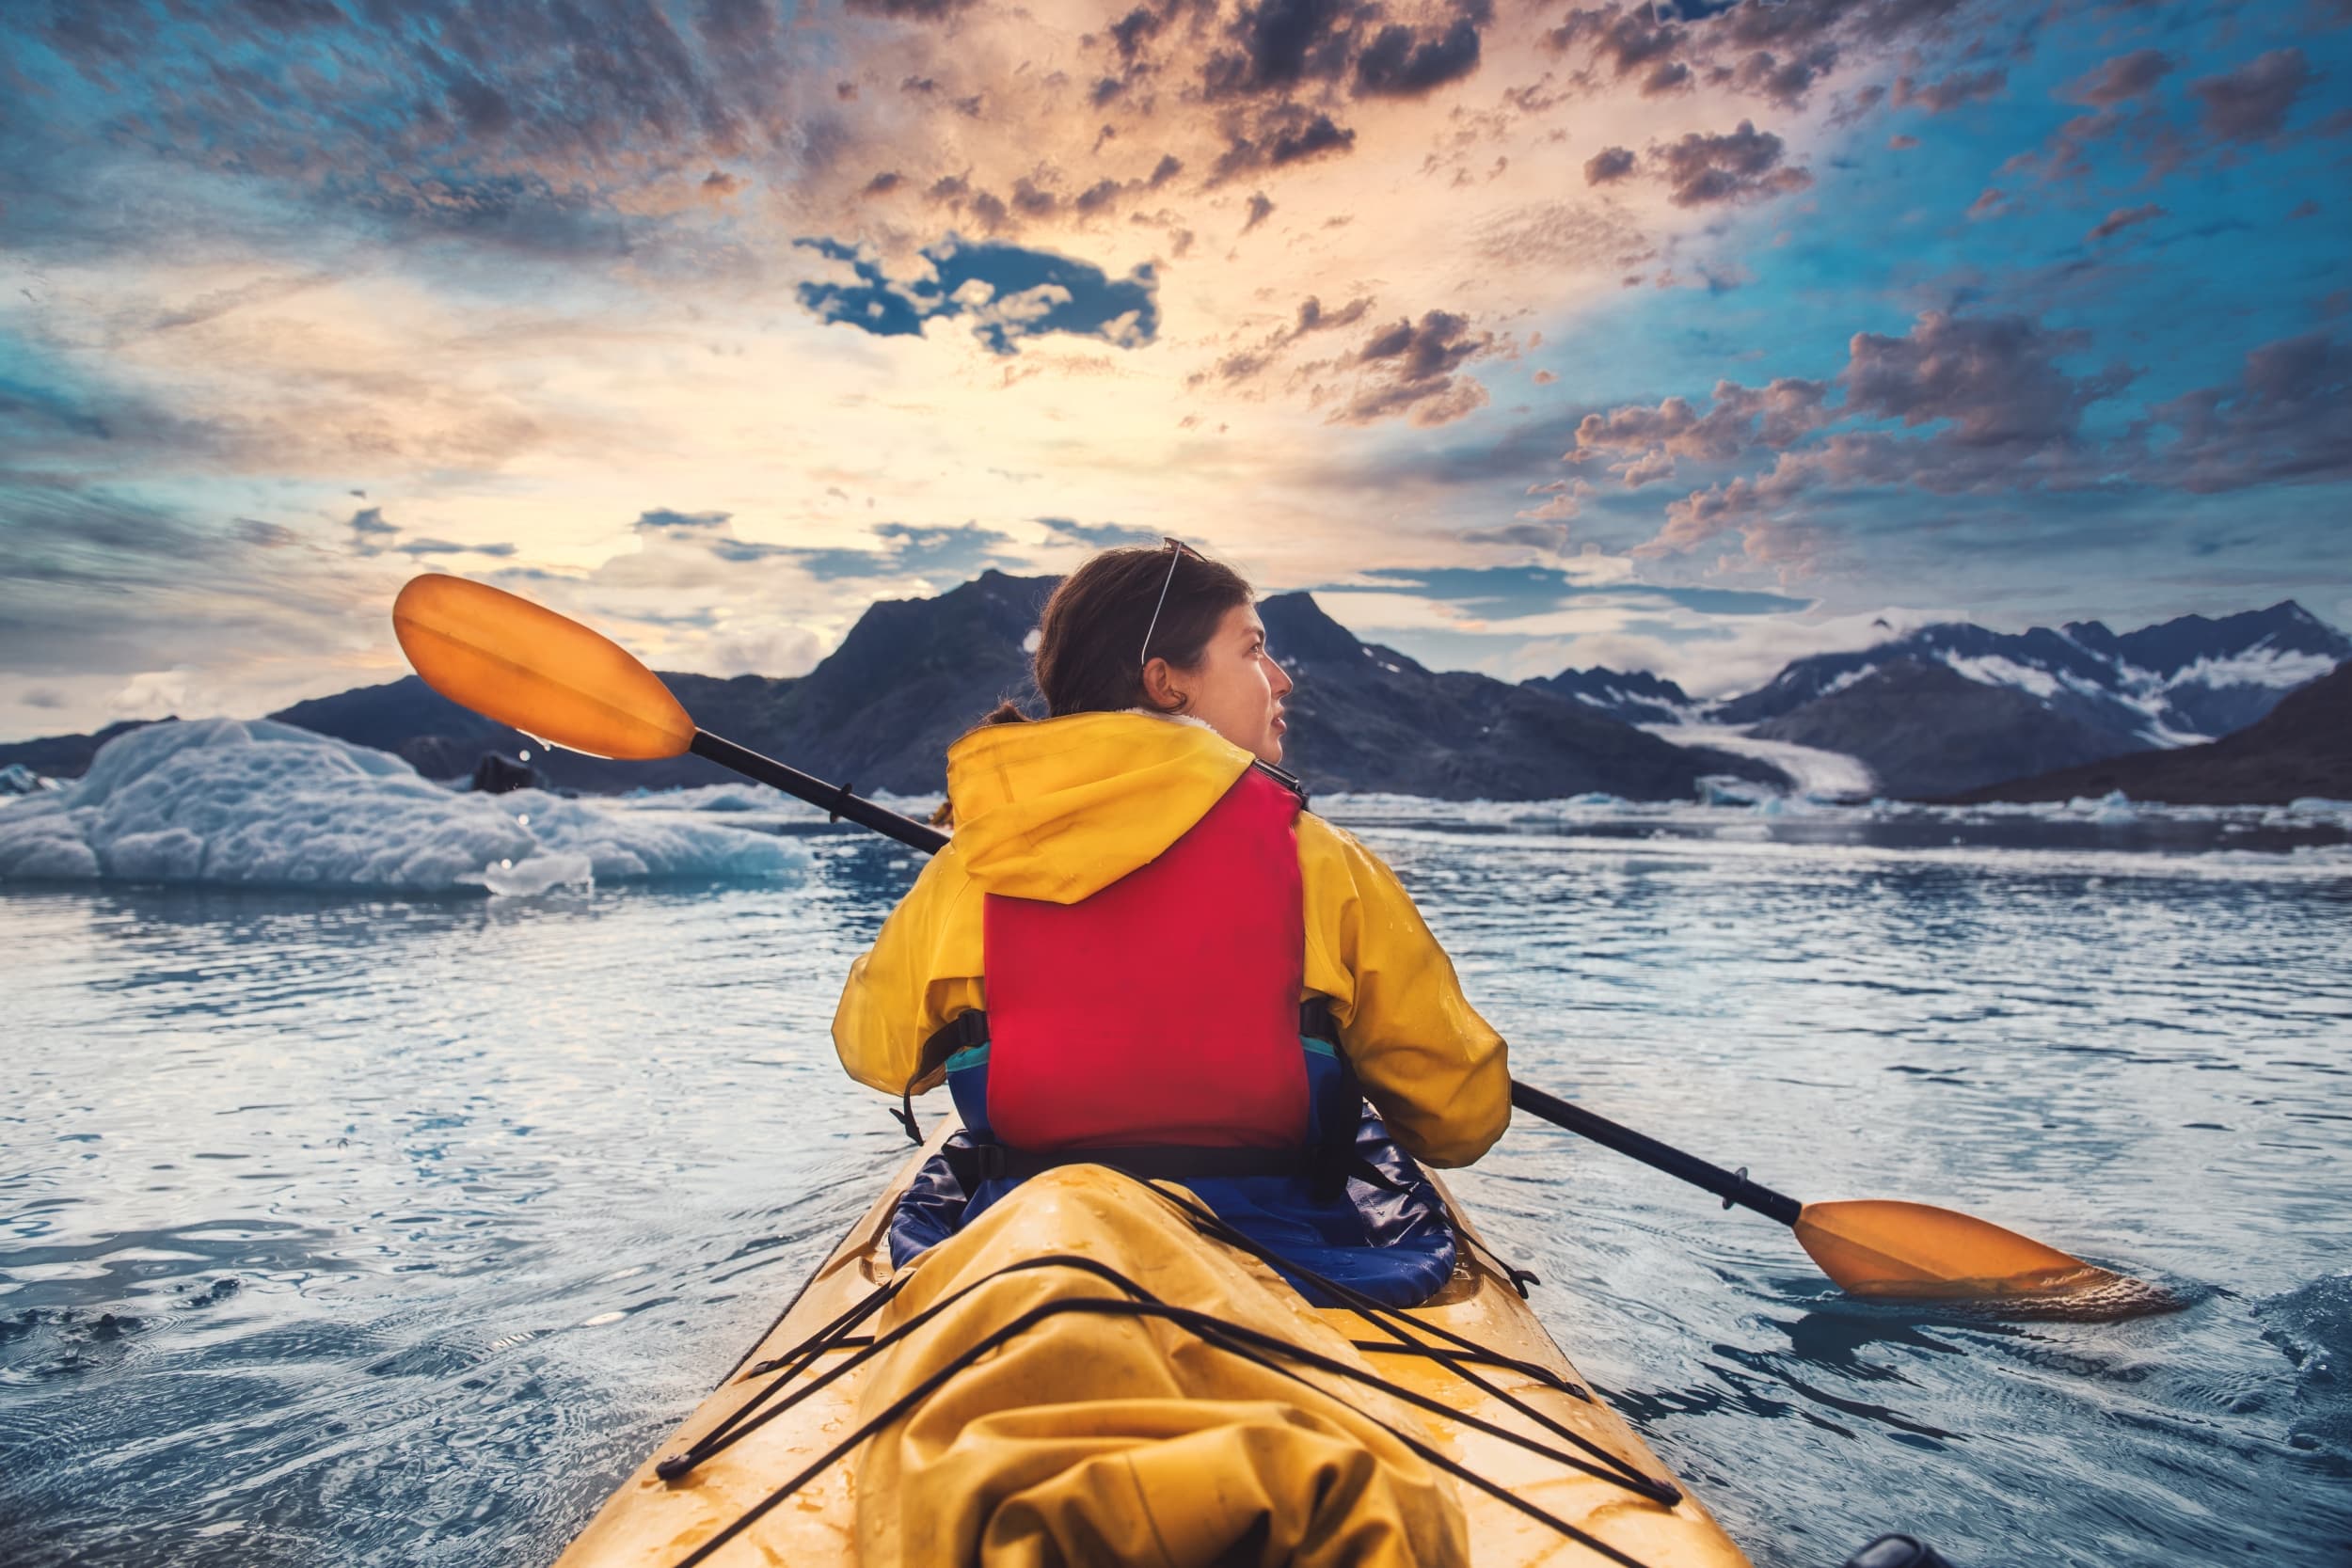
x=922 y=970
x=1437 y=1073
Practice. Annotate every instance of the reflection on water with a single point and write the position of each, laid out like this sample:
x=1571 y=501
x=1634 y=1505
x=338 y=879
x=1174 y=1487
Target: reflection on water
x=377 y=1231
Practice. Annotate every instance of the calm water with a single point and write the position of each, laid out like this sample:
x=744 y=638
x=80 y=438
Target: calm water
x=337 y=1231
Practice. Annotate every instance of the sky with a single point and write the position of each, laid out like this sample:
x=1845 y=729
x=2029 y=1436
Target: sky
x=1668 y=335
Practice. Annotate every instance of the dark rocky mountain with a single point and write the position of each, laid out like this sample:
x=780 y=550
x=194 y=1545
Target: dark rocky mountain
x=405 y=717
x=877 y=713
x=2223 y=675
x=1635 y=696
x=2302 y=747
x=1367 y=718
x=65 y=756
x=1926 y=730
x=913 y=674
x=2167 y=685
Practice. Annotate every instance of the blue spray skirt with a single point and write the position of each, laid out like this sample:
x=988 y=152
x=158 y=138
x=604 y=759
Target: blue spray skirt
x=1392 y=1246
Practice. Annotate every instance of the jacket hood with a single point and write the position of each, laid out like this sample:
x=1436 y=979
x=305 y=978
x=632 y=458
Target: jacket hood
x=1059 y=809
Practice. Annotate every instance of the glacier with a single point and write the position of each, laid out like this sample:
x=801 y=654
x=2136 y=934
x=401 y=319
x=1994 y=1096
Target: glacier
x=253 y=802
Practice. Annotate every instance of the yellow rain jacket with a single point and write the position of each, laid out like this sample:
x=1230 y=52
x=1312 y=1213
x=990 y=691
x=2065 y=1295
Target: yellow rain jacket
x=1059 y=808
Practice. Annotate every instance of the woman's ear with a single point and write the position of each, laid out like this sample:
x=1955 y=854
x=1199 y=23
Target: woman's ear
x=1159 y=687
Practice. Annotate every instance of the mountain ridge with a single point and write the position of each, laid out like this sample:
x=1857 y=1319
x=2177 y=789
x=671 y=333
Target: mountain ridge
x=880 y=711
x=2172 y=683
x=2302 y=747
x=912 y=674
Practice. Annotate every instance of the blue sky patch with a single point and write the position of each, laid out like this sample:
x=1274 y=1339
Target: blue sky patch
x=1008 y=292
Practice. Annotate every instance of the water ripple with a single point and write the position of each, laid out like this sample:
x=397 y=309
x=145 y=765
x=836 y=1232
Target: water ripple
x=374 y=1231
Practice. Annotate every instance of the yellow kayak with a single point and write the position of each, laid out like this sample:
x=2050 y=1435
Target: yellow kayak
x=1465 y=1395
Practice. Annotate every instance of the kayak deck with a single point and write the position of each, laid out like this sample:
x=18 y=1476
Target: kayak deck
x=650 y=1521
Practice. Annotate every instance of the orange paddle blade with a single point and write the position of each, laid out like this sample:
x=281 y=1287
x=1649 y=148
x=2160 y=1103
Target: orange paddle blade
x=532 y=670
x=1875 y=1248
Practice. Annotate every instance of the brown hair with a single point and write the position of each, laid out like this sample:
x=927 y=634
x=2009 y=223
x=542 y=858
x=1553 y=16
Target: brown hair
x=1090 y=637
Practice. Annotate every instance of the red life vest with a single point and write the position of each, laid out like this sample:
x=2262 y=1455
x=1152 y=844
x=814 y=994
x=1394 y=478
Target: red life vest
x=1163 y=1008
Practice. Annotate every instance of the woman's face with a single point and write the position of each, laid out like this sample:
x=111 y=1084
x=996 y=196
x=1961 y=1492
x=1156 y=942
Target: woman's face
x=1236 y=690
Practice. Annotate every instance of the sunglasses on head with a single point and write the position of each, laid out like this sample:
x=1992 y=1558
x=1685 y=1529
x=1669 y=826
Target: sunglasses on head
x=1176 y=551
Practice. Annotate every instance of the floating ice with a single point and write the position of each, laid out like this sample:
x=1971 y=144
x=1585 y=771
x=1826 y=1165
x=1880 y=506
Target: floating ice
x=2114 y=806
x=16 y=779
x=1725 y=789
x=762 y=803
x=219 y=800
x=537 y=875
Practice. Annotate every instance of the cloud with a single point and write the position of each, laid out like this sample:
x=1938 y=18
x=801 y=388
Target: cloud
x=1401 y=62
x=1312 y=317
x=1743 y=164
x=419 y=547
x=1783 y=81
x=1961 y=86
x=1991 y=202
x=1710 y=657
x=1609 y=164
x=1245 y=364
x=1095 y=536
x=2250 y=104
x=496 y=269
x=2118 y=78
x=1504 y=594
x=2282 y=420
x=1278 y=135
x=1991 y=387
x=1550 y=538
x=98 y=583
x=1994 y=380
x=1646 y=440
x=1625 y=40
x=910 y=11
x=664 y=517
x=1667 y=76
x=1995 y=412
x=2122 y=218
x=1278 y=45
x=1409 y=369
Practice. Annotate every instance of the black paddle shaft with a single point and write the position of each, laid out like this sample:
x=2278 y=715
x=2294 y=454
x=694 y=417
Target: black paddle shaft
x=1731 y=1186
x=836 y=799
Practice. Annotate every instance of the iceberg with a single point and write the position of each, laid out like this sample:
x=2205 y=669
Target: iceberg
x=259 y=804
x=16 y=779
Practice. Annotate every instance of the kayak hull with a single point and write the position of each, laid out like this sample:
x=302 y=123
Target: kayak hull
x=651 y=1521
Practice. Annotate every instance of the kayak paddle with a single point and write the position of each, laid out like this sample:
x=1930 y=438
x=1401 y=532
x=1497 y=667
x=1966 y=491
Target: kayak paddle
x=552 y=678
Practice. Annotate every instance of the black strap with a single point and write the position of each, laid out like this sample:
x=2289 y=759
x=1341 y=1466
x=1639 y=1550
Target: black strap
x=1287 y=780
x=969 y=1028
x=1149 y=1161
x=1234 y=1339
x=962 y=1031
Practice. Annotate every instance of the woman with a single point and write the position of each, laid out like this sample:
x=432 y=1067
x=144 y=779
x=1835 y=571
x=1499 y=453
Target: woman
x=1138 y=947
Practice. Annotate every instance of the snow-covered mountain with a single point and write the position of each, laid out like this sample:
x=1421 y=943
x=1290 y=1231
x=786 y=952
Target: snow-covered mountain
x=2175 y=684
x=1635 y=696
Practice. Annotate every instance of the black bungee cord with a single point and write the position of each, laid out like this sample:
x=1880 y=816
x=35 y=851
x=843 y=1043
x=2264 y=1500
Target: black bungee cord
x=1248 y=1344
